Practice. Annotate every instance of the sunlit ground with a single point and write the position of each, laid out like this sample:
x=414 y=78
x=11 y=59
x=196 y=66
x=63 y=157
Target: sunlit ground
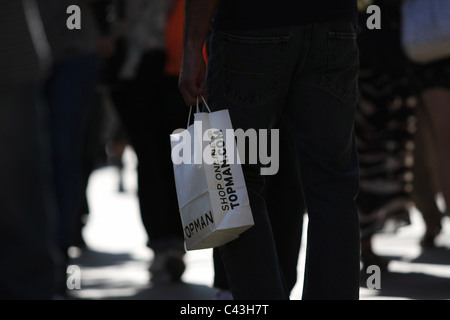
x=115 y=266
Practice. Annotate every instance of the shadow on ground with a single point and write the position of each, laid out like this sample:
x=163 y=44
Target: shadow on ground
x=121 y=276
x=426 y=277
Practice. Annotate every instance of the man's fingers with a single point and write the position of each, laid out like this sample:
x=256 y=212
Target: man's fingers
x=192 y=76
x=190 y=92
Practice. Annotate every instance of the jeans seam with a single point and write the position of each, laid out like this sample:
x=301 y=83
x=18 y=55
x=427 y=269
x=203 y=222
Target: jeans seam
x=326 y=83
x=306 y=49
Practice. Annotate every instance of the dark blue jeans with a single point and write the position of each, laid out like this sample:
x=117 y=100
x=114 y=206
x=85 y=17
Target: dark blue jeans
x=277 y=193
x=30 y=263
x=69 y=92
x=307 y=75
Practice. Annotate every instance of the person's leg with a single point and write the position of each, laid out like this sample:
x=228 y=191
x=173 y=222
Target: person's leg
x=70 y=91
x=150 y=109
x=426 y=166
x=29 y=261
x=171 y=114
x=437 y=103
x=278 y=192
x=220 y=281
x=321 y=108
x=249 y=74
x=164 y=225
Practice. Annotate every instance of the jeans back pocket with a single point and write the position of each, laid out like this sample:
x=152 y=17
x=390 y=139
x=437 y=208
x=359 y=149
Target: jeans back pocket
x=253 y=67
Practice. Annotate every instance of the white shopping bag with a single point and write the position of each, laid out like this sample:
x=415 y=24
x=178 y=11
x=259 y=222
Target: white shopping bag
x=212 y=195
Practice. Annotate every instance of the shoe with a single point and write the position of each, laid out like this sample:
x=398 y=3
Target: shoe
x=428 y=239
x=223 y=295
x=368 y=258
x=168 y=263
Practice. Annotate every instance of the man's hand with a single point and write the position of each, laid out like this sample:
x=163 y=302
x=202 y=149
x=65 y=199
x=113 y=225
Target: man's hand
x=192 y=76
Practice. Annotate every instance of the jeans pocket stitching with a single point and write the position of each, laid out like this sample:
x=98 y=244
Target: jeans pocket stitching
x=270 y=77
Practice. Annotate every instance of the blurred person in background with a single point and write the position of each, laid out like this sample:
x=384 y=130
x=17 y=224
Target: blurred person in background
x=432 y=71
x=433 y=147
x=401 y=139
x=151 y=108
x=384 y=128
x=426 y=176
x=30 y=262
x=69 y=92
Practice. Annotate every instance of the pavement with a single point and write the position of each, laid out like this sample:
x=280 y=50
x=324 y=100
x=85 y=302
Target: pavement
x=114 y=266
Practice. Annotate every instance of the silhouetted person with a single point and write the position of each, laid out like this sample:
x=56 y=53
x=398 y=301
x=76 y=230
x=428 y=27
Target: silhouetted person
x=29 y=259
x=298 y=60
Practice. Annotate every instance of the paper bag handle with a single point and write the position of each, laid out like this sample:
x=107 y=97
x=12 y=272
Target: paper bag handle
x=198 y=109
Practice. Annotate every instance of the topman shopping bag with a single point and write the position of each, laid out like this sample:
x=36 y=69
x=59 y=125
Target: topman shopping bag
x=212 y=195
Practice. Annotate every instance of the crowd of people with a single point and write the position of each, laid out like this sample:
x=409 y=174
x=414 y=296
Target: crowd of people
x=363 y=137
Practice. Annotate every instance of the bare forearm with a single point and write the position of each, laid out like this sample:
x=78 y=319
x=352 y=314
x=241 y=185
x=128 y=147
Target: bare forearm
x=198 y=17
